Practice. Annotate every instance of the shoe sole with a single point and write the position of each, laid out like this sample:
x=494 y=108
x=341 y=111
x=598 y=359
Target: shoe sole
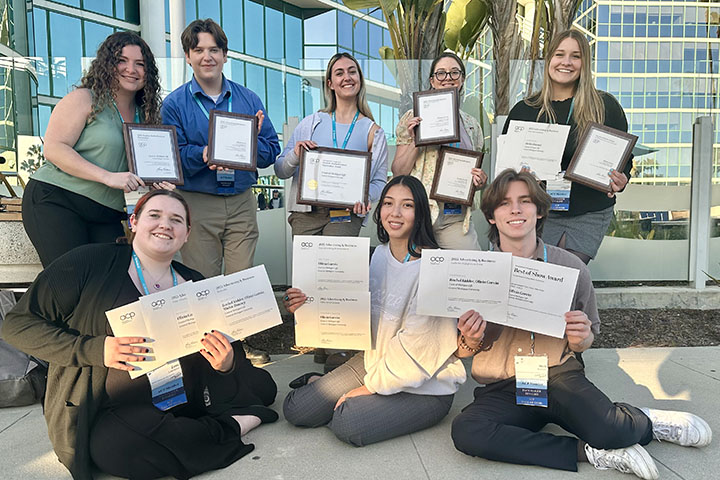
x=704 y=431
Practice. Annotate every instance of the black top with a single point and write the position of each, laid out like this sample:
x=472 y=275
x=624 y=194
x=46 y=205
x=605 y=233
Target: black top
x=582 y=199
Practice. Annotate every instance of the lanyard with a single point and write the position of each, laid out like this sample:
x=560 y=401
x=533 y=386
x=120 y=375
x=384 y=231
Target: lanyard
x=138 y=269
x=567 y=122
x=136 y=119
x=407 y=257
x=532 y=334
x=202 y=107
x=347 y=137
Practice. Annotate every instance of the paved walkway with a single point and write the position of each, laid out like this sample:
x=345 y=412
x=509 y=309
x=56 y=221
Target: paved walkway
x=670 y=378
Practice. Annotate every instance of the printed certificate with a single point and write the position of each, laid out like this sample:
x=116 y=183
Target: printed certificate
x=332 y=177
x=331 y=263
x=453 y=178
x=455 y=281
x=152 y=152
x=334 y=319
x=440 y=113
x=600 y=150
x=540 y=295
x=538 y=146
x=237 y=305
x=232 y=140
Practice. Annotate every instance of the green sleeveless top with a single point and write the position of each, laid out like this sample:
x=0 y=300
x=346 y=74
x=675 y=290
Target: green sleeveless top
x=101 y=143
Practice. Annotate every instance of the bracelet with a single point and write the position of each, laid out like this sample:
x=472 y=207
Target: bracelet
x=465 y=346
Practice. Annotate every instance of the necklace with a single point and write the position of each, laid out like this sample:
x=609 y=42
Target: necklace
x=141 y=277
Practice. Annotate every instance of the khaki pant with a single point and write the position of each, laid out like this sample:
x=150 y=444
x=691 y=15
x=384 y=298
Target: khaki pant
x=448 y=231
x=223 y=228
x=317 y=222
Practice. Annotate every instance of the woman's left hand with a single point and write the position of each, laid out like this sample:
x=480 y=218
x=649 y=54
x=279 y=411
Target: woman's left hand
x=618 y=180
x=479 y=178
x=360 y=209
x=218 y=351
x=355 y=392
x=163 y=185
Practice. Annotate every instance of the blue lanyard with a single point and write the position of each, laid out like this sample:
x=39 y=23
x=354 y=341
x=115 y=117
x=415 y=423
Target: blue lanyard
x=136 y=119
x=347 y=137
x=572 y=107
x=202 y=107
x=407 y=257
x=138 y=269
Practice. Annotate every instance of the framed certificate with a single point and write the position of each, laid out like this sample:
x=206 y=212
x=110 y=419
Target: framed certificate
x=331 y=177
x=599 y=150
x=440 y=113
x=152 y=152
x=453 y=180
x=232 y=140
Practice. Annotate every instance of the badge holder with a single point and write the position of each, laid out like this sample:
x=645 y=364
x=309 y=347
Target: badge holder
x=452 y=209
x=166 y=384
x=225 y=182
x=559 y=191
x=340 y=216
x=531 y=378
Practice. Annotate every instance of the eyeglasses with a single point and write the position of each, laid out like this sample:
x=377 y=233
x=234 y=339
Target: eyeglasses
x=441 y=75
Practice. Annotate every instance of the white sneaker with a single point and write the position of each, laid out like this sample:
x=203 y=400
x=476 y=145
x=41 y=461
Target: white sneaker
x=633 y=459
x=682 y=428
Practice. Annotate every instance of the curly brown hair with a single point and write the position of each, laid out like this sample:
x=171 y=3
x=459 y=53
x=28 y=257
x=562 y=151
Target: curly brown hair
x=101 y=77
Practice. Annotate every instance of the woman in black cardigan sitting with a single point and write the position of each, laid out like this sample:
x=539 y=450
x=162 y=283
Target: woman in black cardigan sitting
x=95 y=412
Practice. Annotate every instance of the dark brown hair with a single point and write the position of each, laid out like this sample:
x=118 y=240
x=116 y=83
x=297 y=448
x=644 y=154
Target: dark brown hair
x=101 y=77
x=189 y=36
x=140 y=206
x=495 y=194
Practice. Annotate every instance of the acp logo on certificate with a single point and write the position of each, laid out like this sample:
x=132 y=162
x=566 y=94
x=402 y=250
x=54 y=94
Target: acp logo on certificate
x=436 y=260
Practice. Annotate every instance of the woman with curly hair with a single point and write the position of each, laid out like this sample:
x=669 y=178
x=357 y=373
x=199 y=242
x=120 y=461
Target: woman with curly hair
x=77 y=197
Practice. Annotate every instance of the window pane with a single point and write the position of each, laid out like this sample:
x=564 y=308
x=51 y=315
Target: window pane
x=293 y=89
x=254 y=29
x=321 y=29
x=256 y=80
x=345 y=29
x=209 y=9
x=190 y=11
x=236 y=72
x=66 y=52
x=293 y=40
x=274 y=31
x=44 y=114
x=375 y=41
x=276 y=101
x=232 y=17
x=95 y=34
x=72 y=3
x=99 y=6
x=360 y=37
x=41 y=50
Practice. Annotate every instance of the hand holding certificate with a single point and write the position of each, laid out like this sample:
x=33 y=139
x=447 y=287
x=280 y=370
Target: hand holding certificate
x=232 y=140
x=152 y=152
x=600 y=150
x=333 y=272
x=440 y=113
x=538 y=146
x=453 y=178
x=331 y=177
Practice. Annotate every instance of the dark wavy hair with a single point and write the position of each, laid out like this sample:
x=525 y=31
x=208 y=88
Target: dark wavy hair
x=495 y=193
x=421 y=235
x=101 y=77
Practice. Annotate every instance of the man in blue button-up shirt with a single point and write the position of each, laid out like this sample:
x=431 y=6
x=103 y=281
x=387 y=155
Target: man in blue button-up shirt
x=221 y=202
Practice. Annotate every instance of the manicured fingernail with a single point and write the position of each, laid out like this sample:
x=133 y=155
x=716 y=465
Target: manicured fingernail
x=205 y=333
x=212 y=331
x=287 y=298
x=147 y=350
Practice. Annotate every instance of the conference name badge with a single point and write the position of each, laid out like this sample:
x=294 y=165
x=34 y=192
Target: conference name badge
x=531 y=378
x=167 y=386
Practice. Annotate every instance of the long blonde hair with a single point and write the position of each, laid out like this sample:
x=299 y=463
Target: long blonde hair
x=588 y=106
x=331 y=101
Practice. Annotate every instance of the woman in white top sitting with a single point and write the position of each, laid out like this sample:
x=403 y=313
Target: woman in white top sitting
x=407 y=381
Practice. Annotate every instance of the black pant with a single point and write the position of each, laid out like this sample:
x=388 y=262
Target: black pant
x=58 y=220
x=496 y=428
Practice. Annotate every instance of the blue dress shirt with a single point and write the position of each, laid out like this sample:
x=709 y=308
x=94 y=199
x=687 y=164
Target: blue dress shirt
x=181 y=110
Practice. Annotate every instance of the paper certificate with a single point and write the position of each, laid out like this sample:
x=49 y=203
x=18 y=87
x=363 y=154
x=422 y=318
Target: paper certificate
x=334 y=319
x=331 y=177
x=232 y=140
x=128 y=321
x=331 y=263
x=238 y=305
x=538 y=146
x=540 y=295
x=455 y=281
x=152 y=152
x=600 y=150
x=453 y=178
x=440 y=113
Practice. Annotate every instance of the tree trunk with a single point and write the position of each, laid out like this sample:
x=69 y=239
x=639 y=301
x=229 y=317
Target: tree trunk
x=565 y=11
x=506 y=46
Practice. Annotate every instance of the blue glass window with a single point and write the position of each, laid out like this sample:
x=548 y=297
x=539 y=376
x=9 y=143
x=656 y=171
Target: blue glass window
x=375 y=109
x=130 y=11
x=375 y=70
x=293 y=95
x=274 y=31
x=41 y=50
x=603 y=30
x=375 y=38
x=386 y=118
x=360 y=37
x=66 y=52
x=640 y=30
x=254 y=29
x=321 y=29
x=167 y=16
x=232 y=19
x=190 y=11
x=72 y=3
x=99 y=6
x=209 y=9
x=255 y=75
x=43 y=117
x=95 y=34
x=237 y=71
x=276 y=100
x=345 y=28
x=293 y=40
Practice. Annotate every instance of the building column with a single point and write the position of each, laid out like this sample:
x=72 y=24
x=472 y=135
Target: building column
x=152 y=25
x=177 y=55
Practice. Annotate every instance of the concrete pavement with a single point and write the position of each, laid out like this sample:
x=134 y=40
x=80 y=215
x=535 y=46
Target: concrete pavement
x=669 y=378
